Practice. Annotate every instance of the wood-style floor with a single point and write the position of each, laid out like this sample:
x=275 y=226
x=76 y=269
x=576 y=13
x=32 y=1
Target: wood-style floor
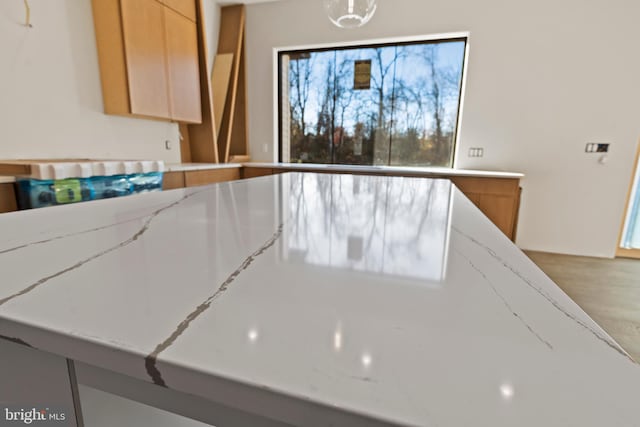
x=608 y=290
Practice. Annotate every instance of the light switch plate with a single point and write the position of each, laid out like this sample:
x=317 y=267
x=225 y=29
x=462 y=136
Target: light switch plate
x=596 y=147
x=476 y=152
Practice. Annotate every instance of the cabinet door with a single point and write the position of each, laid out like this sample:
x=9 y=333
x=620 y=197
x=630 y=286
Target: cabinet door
x=7 y=198
x=184 y=7
x=500 y=210
x=144 y=41
x=474 y=197
x=184 y=73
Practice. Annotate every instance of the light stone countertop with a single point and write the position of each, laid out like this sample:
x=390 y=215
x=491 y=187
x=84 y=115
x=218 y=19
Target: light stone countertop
x=404 y=170
x=180 y=167
x=390 y=299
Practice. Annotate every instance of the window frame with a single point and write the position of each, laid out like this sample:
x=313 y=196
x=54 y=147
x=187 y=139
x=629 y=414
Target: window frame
x=278 y=52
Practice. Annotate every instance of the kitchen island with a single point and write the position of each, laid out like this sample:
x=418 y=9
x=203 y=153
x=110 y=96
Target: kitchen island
x=304 y=299
x=495 y=193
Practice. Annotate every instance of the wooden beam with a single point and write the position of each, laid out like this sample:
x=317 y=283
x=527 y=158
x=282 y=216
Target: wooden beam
x=220 y=79
x=185 y=143
x=202 y=139
x=231 y=40
x=238 y=141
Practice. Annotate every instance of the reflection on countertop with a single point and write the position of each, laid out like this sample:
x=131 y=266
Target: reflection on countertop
x=378 y=226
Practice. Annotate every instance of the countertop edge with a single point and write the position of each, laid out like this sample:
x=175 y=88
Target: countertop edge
x=418 y=171
x=189 y=167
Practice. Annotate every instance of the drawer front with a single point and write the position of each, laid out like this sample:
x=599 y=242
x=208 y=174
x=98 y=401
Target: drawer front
x=173 y=180
x=256 y=172
x=210 y=176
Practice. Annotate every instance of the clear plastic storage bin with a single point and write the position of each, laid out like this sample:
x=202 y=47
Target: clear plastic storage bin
x=35 y=193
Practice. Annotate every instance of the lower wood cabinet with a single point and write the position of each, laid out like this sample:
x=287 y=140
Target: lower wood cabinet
x=173 y=180
x=204 y=177
x=497 y=198
x=256 y=172
x=7 y=198
x=181 y=179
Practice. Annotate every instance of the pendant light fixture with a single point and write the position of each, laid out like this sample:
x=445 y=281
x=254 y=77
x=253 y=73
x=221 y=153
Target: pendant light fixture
x=350 y=13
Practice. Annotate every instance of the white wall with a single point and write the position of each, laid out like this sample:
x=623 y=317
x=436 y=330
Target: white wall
x=544 y=78
x=212 y=23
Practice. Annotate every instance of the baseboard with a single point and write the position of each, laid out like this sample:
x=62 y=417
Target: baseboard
x=628 y=253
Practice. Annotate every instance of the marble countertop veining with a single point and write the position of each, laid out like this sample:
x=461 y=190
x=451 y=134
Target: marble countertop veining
x=386 y=297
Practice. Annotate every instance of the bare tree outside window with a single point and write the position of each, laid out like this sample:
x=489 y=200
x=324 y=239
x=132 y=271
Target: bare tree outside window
x=406 y=114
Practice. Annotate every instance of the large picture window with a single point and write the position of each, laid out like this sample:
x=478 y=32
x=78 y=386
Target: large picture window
x=385 y=104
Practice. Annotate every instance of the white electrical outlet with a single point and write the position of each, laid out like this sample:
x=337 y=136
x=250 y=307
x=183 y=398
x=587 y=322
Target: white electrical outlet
x=265 y=148
x=476 y=152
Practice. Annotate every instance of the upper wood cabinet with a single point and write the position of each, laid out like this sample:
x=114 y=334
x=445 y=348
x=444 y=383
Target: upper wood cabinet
x=144 y=46
x=184 y=81
x=186 y=8
x=148 y=53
